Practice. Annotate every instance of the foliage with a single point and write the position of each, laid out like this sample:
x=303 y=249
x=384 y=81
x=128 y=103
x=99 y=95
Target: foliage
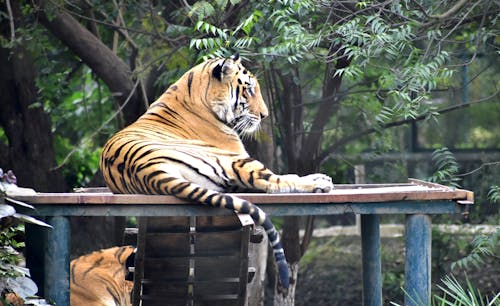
x=13 y=276
x=400 y=60
x=482 y=246
x=454 y=294
x=81 y=102
x=446 y=168
x=9 y=257
x=494 y=194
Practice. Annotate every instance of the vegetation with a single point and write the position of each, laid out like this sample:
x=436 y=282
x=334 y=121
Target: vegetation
x=14 y=277
x=347 y=82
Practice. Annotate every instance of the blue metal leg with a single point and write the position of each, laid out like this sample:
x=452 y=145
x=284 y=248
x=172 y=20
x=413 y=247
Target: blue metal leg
x=372 y=278
x=418 y=260
x=57 y=253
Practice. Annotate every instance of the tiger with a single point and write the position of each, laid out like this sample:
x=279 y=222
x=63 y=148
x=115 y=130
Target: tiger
x=189 y=144
x=101 y=278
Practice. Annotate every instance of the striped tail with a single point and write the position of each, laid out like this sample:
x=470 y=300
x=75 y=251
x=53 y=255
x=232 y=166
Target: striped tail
x=187 y=190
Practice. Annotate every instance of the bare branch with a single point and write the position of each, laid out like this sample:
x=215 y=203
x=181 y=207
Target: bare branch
x=454 y=9
x=11 y=21
x=479 y=168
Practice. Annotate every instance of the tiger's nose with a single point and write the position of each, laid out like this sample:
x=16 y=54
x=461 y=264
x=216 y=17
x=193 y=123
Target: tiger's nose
x=263 y=115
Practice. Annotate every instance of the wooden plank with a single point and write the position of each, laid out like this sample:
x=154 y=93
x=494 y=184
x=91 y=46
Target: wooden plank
x=360 y=193
x=164 y=290
x=218 y=243
x=206 y=289
x=167 y=244
x=212 y=268
x=168 y=225
x=244 y=262
x=167 y=269
x=216 y=300
x=142 y=223
x=217 y=223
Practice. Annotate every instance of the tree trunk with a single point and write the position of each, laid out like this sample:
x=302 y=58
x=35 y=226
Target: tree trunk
x=289 y=299
x=303 y=148
x=257 y=252
x=29 y=151
x=308 y=160
x=95 y=54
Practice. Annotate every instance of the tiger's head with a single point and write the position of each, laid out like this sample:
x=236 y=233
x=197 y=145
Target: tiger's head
x=231 y=93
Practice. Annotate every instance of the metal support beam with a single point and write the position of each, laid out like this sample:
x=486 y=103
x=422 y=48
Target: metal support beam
x=57 y=254
x=418 y=260
x=370 y=243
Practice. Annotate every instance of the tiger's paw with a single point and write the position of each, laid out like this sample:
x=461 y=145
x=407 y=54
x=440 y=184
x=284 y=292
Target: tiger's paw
x=317 y=183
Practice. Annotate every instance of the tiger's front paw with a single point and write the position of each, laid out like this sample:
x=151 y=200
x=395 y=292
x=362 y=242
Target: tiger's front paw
x=318 y=183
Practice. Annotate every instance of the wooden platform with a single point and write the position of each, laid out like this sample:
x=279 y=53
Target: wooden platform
x=414 y=190
x=415 y=199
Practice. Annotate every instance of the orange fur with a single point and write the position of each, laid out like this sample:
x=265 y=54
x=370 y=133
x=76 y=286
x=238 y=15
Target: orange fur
x=98 y=279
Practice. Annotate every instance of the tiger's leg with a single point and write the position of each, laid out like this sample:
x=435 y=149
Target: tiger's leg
x=184 y=189
x=252 y=174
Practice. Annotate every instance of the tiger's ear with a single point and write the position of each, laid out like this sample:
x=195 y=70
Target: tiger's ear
x=236 y=58
x=226 y=70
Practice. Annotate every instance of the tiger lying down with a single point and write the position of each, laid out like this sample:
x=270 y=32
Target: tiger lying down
x=188 y=144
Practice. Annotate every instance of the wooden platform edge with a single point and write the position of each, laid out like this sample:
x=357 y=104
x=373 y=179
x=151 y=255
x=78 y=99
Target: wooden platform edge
x=469 y=195
x=415 y=190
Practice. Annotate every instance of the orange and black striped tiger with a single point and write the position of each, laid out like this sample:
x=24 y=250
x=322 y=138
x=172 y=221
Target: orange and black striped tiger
x=188 y=144
x=99 y=278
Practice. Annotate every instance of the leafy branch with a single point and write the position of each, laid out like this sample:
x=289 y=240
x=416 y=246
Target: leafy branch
x=482 y=246
x=12 y=273
x=447 y=168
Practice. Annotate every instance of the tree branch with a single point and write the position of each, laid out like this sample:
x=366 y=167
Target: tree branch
x=308 y=232
x=328 y=151
x=93 y=52
x=311 y=143
x=451 y=11
x=11 y=21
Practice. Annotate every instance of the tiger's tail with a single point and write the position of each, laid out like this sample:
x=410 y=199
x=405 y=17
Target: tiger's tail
x=186 y=190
